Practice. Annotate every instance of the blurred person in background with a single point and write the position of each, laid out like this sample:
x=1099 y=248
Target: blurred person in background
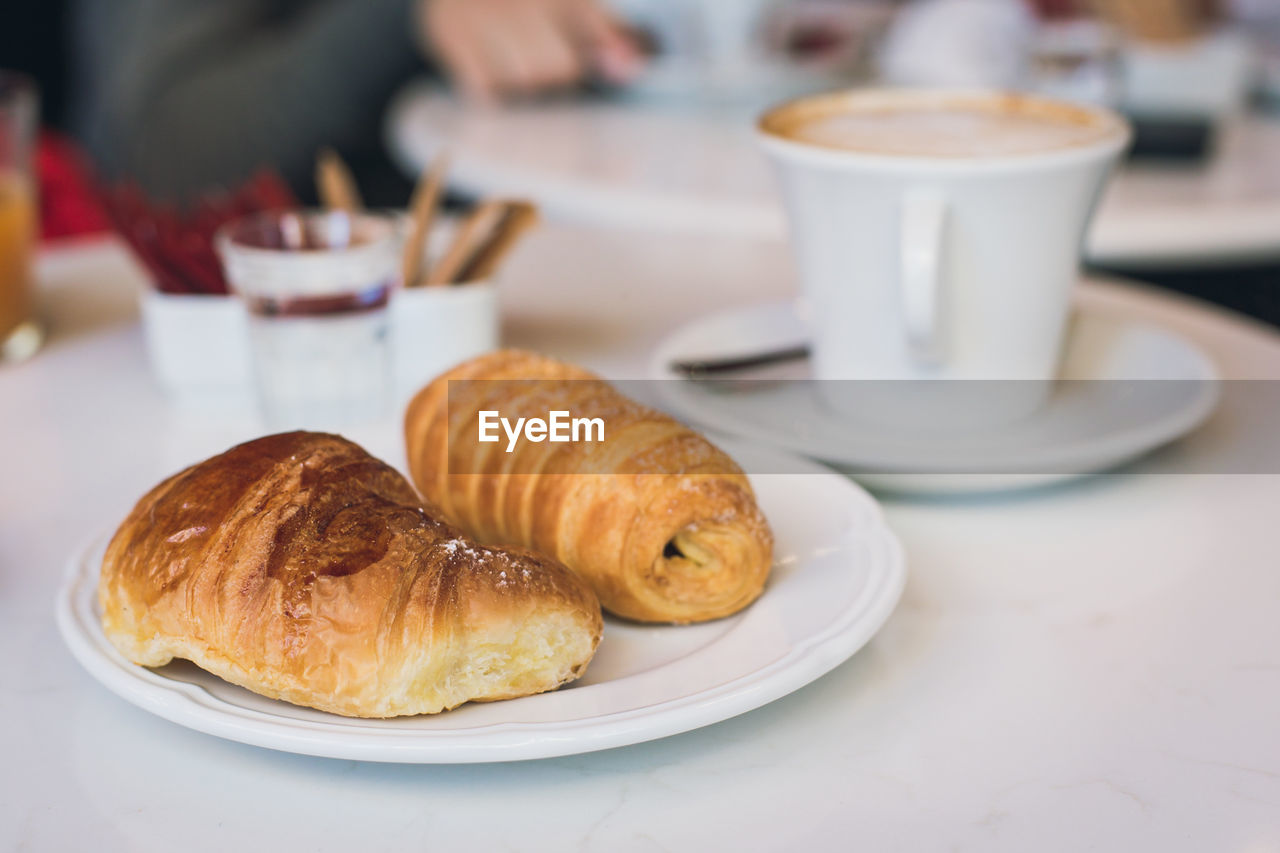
x=188 y=95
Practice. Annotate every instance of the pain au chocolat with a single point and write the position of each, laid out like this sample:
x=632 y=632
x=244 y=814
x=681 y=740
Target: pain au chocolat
x=304 y=569
x=662 y=523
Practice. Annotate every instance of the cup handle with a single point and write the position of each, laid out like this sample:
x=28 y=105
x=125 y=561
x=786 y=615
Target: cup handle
x=924 y=216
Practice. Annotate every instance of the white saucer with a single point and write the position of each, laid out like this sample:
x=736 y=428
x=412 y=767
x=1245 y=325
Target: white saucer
x=838 y=573
x=1085 y=427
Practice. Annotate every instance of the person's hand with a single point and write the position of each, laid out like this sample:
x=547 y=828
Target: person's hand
x=492 y=48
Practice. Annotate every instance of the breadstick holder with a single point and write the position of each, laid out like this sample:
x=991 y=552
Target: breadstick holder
x=434 y=328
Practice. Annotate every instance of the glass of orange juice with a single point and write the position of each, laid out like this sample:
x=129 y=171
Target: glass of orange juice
x=20 y=334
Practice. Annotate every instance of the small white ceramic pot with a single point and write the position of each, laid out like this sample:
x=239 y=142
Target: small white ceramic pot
x=434 y=328
x=198 y=347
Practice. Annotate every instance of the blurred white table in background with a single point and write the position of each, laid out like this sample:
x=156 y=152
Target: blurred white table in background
x=1093 y=666
x=681 y=167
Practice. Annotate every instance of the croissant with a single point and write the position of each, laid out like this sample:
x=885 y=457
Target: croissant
x=300 y=567
x=662 y=524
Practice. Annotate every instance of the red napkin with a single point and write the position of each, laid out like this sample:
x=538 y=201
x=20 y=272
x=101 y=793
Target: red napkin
x=69 y=207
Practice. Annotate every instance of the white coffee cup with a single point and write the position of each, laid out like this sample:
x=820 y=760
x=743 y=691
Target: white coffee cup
x=938 y=237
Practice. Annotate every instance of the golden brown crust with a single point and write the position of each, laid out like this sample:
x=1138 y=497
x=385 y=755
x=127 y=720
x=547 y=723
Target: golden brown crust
x=662 y=523
x=299 y=566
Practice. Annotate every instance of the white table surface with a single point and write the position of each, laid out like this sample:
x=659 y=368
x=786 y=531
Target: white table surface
x=1095 y=666
x=673 y=167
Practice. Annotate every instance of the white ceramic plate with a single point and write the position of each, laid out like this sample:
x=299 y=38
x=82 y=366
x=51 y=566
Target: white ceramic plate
x=839 y=572
x=1085 y=427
